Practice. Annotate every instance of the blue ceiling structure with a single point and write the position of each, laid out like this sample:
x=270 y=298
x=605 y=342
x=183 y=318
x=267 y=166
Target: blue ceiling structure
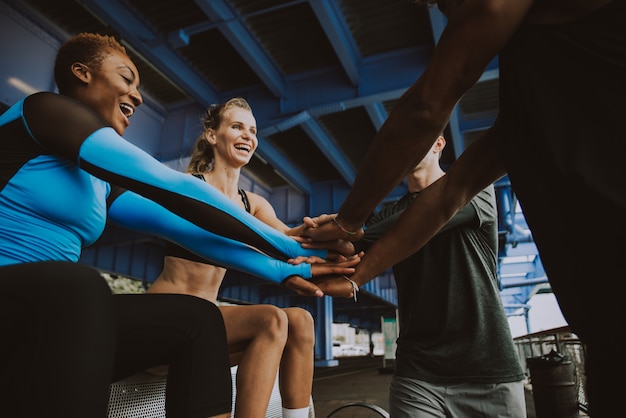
x=321 y=76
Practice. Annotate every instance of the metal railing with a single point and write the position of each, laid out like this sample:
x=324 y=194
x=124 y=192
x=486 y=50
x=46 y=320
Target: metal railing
x=561 y=340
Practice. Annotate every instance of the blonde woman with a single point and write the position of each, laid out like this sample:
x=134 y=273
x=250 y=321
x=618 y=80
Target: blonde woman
x=260 y=337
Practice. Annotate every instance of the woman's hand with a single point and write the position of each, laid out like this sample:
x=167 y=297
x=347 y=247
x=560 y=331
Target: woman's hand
x=337 y=249
x=303 y=287
x=321 y=268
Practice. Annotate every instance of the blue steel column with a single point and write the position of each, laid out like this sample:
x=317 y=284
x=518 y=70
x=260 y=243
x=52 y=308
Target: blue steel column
x=323 y=333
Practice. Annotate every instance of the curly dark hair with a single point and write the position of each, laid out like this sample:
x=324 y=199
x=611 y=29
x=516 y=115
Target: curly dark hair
x=87 y=48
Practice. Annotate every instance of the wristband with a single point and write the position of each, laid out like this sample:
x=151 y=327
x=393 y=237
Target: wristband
x=355 y=287
x=342 y=228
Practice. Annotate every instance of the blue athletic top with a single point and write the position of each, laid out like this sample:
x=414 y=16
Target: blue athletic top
x=64 y=173
x=174 y=250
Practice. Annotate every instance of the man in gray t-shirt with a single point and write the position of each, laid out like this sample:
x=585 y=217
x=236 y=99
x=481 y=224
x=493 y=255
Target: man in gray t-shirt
x=455 y=356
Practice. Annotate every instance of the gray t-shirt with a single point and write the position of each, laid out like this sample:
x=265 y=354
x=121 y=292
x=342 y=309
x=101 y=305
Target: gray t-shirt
x=453 y=327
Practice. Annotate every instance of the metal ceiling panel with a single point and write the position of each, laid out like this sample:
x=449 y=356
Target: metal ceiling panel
x=306 y=156
x=168 y=16
x=293 y=38
x=383 y=26
x=216 y=59
x=209 y=50
x=354 y=131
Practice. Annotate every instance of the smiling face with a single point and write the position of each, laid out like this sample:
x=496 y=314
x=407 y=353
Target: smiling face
x=234 y=141
x=110 y=88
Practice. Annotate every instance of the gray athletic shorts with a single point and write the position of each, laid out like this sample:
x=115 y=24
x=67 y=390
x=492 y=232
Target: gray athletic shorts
x=413 y=398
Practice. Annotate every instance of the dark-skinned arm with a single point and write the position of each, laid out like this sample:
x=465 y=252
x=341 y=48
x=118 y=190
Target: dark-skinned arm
x=476 y=31
x=480 y=165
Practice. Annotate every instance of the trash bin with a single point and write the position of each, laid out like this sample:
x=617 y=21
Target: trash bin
x=553 y=380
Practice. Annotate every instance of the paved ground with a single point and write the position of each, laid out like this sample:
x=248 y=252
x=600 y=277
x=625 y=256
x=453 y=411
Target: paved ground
x=360 y=380
x=356 y=380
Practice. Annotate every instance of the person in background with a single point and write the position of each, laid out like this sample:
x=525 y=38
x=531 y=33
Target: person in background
x=455 y=354
x=65 y=170
x=260 y=337
x=562 y=66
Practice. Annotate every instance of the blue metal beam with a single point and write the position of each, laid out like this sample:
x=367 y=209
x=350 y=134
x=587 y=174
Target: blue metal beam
x=456 y=134
x=457 y=124
x=477 y=123
x=328 y=147
x=153 y=48
x=331 y=93
x=323 y=333
x=332 y=21
x=383 y=287
x=526 y=282
x=438 y=23
x=377 y=113
x=231 y=26
x=523 y=249
x=283 y=167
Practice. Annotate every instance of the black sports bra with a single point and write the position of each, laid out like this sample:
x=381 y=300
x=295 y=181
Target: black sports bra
x=242 y=193
x=174 y=250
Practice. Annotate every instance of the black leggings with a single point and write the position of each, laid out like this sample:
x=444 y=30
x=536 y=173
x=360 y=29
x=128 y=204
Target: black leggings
x=65 y=338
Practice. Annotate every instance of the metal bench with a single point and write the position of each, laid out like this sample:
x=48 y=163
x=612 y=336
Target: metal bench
x=143 y=396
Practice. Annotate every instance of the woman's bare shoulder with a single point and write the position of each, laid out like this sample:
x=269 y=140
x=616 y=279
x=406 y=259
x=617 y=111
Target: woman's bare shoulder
x=257 y=201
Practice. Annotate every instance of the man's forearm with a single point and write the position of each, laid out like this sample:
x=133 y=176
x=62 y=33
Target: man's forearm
x=397 y=148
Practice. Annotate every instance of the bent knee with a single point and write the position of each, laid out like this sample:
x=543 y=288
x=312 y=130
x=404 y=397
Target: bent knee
x=301 y=325
x=275 y=323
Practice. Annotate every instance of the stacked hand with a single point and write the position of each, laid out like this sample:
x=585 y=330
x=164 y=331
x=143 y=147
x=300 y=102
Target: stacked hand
x=324 y=271
x=330 y=275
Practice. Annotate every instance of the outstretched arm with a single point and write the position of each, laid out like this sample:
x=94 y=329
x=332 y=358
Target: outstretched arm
x=135 y=212
x=475 y=33
x=70 y=129
x=479 y=166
